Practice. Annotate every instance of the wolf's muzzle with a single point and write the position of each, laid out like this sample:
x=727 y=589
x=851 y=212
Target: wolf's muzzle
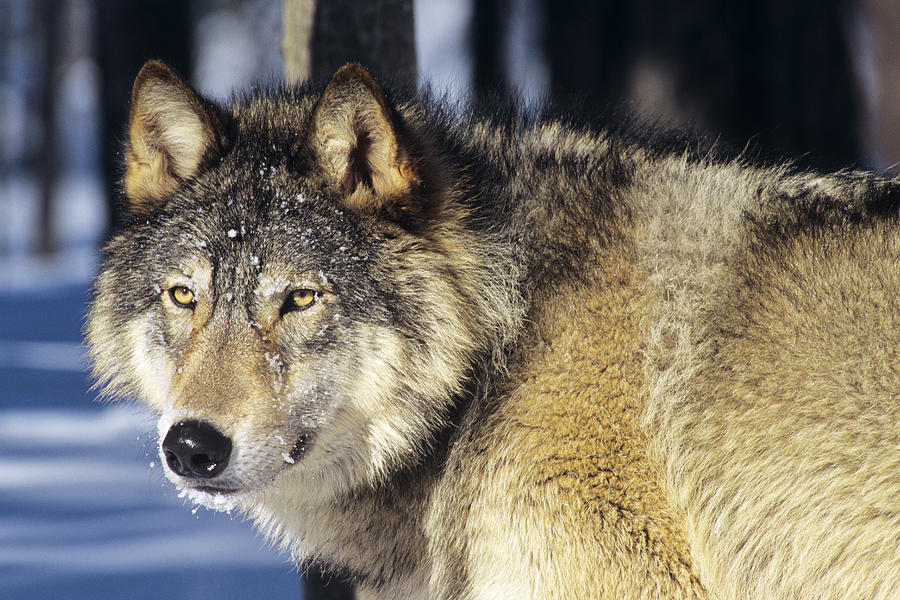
x=196 y=449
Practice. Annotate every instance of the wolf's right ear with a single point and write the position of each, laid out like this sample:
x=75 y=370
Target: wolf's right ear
x=171 y=130
x=359 y=146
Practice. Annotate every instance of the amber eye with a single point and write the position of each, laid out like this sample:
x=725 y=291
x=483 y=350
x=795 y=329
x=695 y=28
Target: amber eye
x=182 y=296
x=300 y=300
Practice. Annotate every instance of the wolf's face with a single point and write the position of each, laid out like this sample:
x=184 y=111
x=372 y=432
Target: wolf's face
x=287 y=297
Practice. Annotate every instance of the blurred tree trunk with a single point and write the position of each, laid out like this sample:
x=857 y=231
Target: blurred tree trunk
x=128 y=34
x=883 y=18
x=488 y=32
x=297 y=19
x=589 y=49
x=48 y=154
x=320 y=37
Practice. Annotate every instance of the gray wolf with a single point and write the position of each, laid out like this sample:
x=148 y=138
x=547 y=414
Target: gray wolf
x=457 y=357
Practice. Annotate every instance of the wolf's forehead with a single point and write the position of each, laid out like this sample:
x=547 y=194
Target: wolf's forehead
x=268 y=258
x=195 y=271
x=276 y=277
x=241 y=273
x=281 y=208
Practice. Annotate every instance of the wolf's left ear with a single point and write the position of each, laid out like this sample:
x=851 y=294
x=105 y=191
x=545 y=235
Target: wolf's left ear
x=358 y=143
x=171 y=129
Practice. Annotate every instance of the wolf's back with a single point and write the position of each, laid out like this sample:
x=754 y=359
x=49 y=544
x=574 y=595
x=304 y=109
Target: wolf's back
x=772 y=374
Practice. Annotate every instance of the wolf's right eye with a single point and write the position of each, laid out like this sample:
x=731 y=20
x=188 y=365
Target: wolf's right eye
x=299 y=300
x=182 y=296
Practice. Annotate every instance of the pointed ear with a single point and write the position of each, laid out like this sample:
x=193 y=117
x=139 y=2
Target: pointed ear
x=358 y=144
x=171 y=130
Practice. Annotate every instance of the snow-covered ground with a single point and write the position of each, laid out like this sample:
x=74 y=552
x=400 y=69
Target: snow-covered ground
x=85 y=511
x=82 y=511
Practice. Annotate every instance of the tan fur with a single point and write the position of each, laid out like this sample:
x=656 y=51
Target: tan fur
x=350 y=123
x=169 y=132
x=586 y=465
x=772 y=405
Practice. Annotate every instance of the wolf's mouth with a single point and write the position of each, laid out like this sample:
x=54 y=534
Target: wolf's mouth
x=208 y=489
x=231 y=493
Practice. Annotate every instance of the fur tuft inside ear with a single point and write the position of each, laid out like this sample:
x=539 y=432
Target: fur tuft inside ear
x=171 y=129
x=358 y=144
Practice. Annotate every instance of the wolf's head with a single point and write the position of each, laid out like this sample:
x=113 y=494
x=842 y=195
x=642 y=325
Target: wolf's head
x=298 y=293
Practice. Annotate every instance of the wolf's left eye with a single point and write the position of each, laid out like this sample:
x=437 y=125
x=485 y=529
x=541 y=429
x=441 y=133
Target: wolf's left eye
x=182 y=296
x=299 y=300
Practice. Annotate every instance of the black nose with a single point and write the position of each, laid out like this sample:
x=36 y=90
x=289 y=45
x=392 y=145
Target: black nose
x=196 y=449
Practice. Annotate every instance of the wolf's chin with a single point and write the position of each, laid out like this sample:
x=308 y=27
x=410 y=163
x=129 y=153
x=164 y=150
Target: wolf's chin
x=218 y=500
